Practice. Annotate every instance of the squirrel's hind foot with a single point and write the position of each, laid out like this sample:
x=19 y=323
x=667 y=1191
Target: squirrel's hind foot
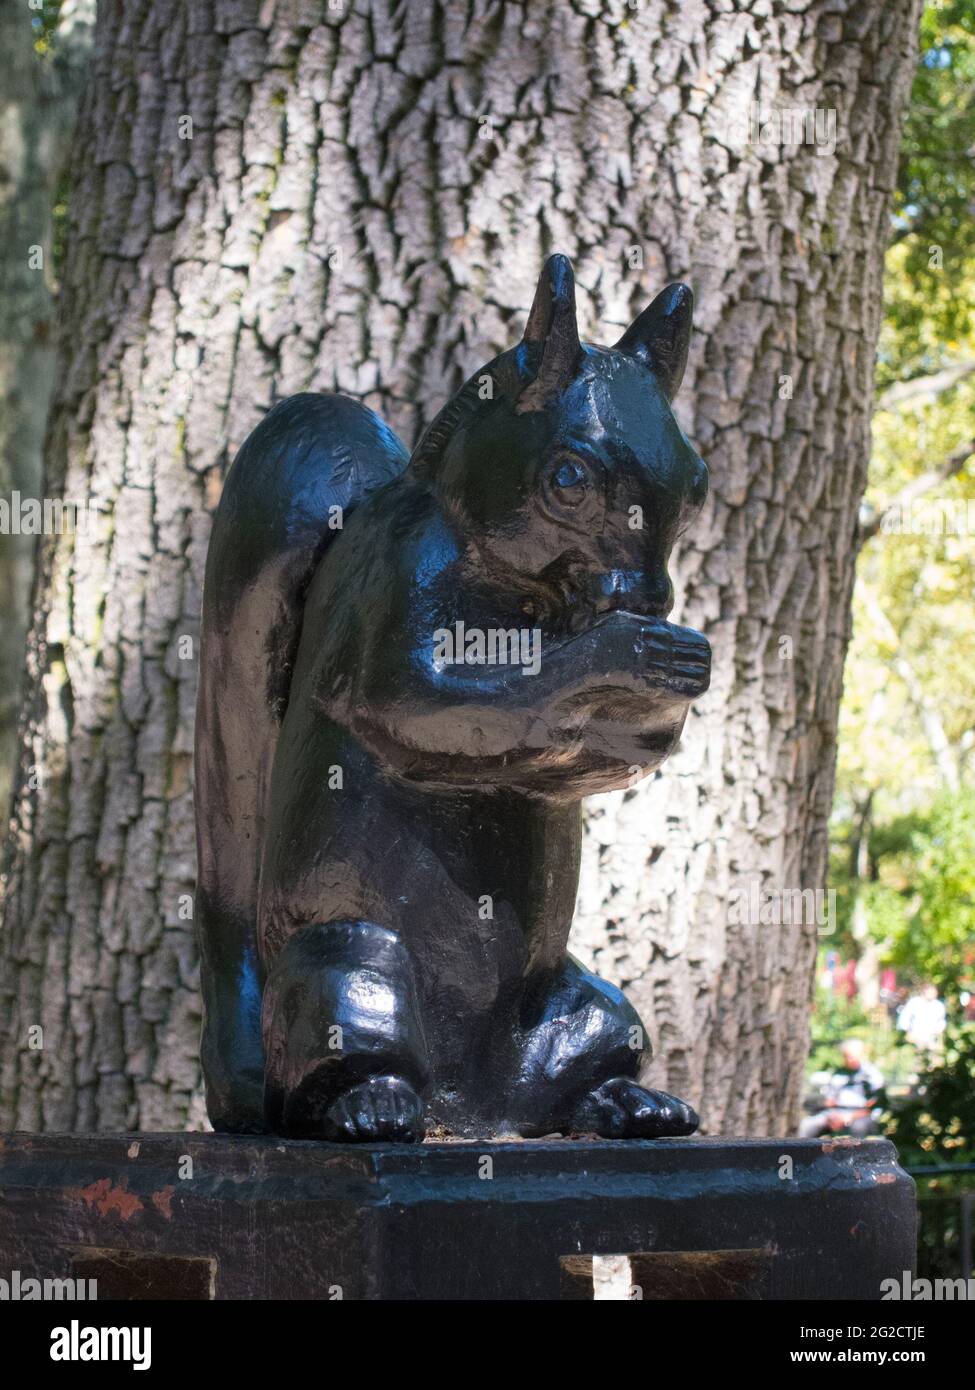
x=381 y=1110
x=622 y=1109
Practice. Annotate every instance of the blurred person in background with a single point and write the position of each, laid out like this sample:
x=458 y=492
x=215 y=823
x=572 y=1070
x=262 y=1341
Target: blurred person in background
x=852 y=1096
x=923 y=1019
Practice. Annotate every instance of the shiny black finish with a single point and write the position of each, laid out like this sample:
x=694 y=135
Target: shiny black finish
x=388 y=832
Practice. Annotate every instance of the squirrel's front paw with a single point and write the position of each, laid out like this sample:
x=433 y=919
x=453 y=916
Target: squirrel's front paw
x=622 y=1109
x=384 y=1109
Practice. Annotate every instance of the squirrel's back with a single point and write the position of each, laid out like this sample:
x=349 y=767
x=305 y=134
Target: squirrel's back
x=302 y=470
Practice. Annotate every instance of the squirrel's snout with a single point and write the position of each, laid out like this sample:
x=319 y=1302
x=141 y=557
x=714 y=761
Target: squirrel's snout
x=651 y=595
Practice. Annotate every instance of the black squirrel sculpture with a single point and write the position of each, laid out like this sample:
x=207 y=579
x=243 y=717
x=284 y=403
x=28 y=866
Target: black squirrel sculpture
x=413 y=670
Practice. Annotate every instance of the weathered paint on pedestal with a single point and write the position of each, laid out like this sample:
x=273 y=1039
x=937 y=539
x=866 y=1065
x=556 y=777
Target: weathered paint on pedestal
x=204 y=1216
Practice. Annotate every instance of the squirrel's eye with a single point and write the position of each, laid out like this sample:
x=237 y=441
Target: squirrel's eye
x=570 y=481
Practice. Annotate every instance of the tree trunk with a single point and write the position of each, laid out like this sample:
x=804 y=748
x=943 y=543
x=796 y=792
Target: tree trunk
x=364 y=205
x=36 y=117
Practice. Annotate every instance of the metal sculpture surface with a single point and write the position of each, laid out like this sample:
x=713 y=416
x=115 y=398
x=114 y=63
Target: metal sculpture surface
x=413 y=670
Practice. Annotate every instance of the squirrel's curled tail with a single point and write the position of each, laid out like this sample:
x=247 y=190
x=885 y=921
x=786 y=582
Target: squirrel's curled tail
x=309 y=462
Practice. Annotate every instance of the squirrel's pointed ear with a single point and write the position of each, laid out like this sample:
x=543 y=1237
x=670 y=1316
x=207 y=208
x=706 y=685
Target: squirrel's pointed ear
x=552 y=330
x=661 y=336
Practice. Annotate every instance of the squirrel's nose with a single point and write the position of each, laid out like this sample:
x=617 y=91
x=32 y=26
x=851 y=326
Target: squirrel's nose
x=650 y=594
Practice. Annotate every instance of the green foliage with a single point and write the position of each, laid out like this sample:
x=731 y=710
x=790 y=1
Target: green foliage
x=935 y=199
x=45 y=22
x=919 y=898
x=932 y=939
x=909 y=668
x=937 y=1124
x=834 y=1019
x=890 y=910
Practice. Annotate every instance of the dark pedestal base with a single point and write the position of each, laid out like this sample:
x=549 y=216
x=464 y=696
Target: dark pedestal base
x=209 y=1216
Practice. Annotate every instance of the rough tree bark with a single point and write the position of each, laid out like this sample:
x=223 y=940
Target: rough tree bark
x=36 y=118
x=363 y=205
